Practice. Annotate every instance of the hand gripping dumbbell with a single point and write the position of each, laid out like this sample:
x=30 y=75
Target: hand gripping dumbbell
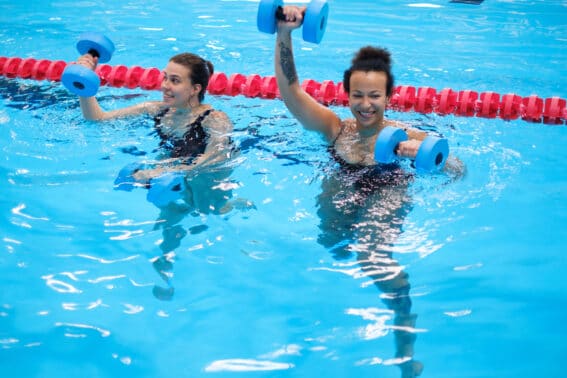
x=314 y=21
x=432 y=153
x=79 y=79
x=162 y=190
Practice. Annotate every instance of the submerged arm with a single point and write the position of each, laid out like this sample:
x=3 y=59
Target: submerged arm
x=219 y=150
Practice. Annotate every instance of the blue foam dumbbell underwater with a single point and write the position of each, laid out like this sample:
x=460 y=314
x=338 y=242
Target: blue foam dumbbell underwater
x=432 y=153
x=125 y=179
x=79 y=79
x=166 y=188
x=314 y=21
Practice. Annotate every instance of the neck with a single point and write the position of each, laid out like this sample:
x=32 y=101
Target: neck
x=369 y=132
x=187 y=109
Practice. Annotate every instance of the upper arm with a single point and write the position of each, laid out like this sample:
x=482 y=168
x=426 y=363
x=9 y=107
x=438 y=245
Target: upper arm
x=221 y=129
x=310 y=113
x=416 y=134
x=412 y=133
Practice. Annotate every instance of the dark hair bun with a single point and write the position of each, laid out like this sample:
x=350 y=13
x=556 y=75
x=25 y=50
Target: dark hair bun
x=372 y=53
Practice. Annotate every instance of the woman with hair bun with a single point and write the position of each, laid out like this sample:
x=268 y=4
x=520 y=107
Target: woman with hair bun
x=369 y=83
x=363 y=204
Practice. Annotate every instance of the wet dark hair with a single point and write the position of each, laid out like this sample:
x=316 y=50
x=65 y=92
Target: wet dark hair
x=369 y=59
x=199 y=68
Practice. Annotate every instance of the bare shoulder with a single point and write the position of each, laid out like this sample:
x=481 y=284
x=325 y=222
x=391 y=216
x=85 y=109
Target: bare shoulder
x=153 y=107
x=219 y=121
x=394 y=123
x=413 y=133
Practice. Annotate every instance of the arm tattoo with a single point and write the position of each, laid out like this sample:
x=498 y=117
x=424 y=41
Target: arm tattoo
x=287 y=64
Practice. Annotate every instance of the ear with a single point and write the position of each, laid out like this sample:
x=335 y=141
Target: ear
x=198 y=87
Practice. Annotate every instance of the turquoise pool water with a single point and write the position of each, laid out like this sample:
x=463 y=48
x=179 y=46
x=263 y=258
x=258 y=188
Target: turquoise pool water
x=256 y=293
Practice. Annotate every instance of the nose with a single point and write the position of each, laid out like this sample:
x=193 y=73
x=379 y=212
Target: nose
x=365 y=102
x=164 y=84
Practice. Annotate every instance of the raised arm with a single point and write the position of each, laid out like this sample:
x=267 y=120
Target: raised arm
x=311 y=114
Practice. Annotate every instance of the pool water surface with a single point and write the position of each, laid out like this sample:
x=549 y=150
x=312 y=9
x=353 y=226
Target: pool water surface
x=256 y=290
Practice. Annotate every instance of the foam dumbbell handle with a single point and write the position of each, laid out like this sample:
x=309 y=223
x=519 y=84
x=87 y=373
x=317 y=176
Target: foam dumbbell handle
x=268 y=14
x=315 y=21
x=387 y=143
x=432 y=154
x=280 y=16
x=166 y=188
x=125 y=179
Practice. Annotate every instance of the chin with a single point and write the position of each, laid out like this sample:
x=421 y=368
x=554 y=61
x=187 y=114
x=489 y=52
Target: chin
x=368 y=123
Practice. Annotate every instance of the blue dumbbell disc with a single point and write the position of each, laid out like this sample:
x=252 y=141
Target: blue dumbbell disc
x=98 y=42
x=125 y=179
x=267 y=15
x=315 y=21
x=166 y=188
x=386 y=143
x=80 y=80
x=432 y=154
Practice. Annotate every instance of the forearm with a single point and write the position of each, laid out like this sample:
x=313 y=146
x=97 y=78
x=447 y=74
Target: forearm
x=91 y=109
x=286 y=73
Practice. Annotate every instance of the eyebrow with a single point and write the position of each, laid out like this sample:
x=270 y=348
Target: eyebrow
x=171 y=74
x=375 y=91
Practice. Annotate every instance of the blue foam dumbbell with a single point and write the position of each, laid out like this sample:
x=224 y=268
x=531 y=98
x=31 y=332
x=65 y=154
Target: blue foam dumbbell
x=432 y=153
x=79 y=79
x=314 y=22
x=125 y=179
x=166 y=188
x=387 y=143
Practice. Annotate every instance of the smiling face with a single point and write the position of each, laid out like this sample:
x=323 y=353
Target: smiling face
x=178 y=90
x=368 y=98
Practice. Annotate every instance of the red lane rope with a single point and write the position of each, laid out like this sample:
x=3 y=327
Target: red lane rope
x=466 y=103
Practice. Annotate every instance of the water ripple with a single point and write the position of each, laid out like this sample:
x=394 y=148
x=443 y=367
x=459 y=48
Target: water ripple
x=240 y=364
x=75 y=329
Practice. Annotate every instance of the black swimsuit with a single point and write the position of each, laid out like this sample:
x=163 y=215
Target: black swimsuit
x=192 y=144
x=368 y=178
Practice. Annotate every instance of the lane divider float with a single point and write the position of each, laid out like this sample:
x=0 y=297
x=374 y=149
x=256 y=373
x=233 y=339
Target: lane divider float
x=465 y=103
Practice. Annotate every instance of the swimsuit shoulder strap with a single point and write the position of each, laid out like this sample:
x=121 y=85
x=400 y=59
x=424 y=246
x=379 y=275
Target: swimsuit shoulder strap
x=159 y=115
x=200 y=118
x=343 y=125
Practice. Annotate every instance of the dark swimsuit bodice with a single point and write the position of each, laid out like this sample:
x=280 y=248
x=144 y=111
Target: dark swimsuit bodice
x=193 y=143
x=369 y=178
